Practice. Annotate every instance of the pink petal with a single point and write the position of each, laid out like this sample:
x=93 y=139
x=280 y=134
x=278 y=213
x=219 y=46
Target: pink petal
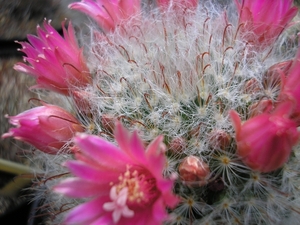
x=78 y=188
x=130 y=7
x=104 y=220
x=136 y=147
x=21 y=67
x=159 y=210
x=101 y=150
x=155 y=156
x=87 y=211
x=122 y=137
x=237 y=123
x=97 y=175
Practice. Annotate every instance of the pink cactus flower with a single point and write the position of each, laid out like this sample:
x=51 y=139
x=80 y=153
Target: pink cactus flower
x=265 y=142
x=47 y=127
x=57 y=63
x=264 y=20
x=125 y=183
x=108 y=13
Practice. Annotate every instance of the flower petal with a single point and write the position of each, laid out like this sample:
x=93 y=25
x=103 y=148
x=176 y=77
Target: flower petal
x=101 y=150
x=78 y=188
x=87 y=211
x=87 y=172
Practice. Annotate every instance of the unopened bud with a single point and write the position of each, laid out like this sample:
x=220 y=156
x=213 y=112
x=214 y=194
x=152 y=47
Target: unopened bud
x=219 y=139
x=194 y=171
x=177 y=145
x=46 y=127
x=265 y=142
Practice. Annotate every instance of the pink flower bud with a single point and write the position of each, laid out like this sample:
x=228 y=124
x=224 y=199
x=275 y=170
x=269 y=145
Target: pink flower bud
x=265 y=142
x=194 y=170
x=48 y=128
x=108 y=14
x=263 y=21
x=219 y=139
x=177 y=145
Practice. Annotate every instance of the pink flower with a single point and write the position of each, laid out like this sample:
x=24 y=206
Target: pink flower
x=265 y=142
x=108 y=13
x=47 y=127
x=125 y=183
x=264 y=20
x=57 y=63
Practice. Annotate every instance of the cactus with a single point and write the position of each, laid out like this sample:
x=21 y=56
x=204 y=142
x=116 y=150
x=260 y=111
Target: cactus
x=190 y=72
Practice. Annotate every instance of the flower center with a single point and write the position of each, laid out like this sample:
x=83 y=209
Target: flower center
x=140 y=184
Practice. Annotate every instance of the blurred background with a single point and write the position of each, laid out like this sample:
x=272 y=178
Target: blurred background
x=17 y=19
